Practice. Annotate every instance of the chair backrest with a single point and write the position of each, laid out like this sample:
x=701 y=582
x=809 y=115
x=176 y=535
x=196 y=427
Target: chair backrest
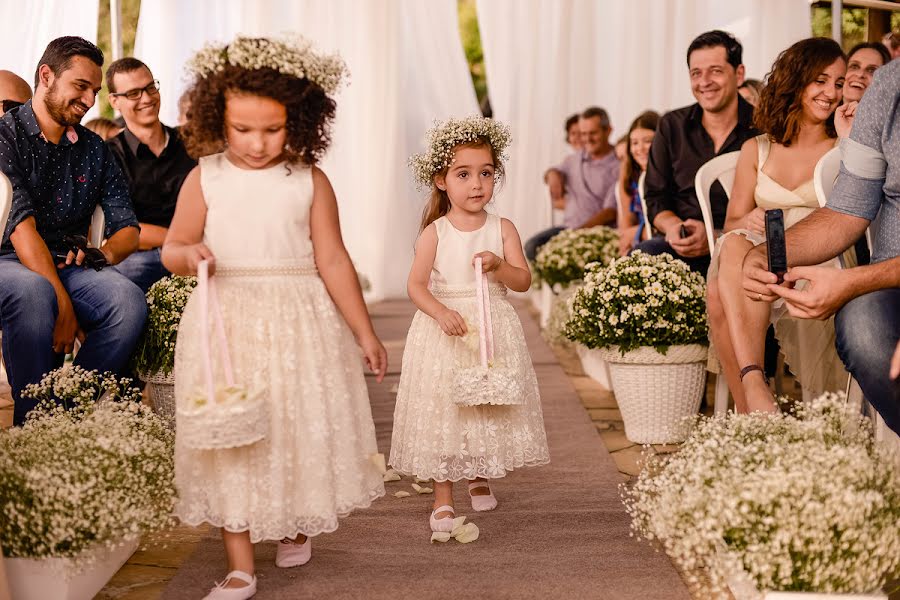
x=826 y=173
x=648 y=227
x=5 y=202
x=721 y=169
x=98 y=227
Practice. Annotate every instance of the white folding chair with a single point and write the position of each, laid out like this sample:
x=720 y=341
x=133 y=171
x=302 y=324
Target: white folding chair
x=721 y=169
x=648 y=227
x=98 y=228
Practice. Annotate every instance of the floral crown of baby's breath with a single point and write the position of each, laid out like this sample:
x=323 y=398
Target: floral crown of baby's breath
x=444 y=137
x=290 y=55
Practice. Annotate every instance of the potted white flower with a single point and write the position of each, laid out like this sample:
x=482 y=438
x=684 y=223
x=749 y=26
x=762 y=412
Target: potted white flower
x=154 y=357
x=646 y=317
x=89 y=473
x=560 y=265
x=782 y=506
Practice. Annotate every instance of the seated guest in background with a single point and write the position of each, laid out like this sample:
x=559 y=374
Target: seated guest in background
x=750 y=91
x=587 y=179
x=775 y=171
x=891 y=41
x=687 y=138
x=862 y=62
x=573 y=134
x=866 y=299
x=184 y=105
x=621 y=148
x=14 y=91
x=60 y=172
x=105 y=128
x=154 y=161
x=631 y=216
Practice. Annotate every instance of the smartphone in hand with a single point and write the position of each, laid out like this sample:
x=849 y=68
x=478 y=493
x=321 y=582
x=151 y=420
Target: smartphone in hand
x=777 y=253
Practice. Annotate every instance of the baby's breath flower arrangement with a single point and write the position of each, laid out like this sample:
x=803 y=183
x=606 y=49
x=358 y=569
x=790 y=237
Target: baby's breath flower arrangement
x=444 y=137
x=290 y=54
x=804 y=502
x=563 y=258
x=166 y=300
x=98 y=468
x=639 y=300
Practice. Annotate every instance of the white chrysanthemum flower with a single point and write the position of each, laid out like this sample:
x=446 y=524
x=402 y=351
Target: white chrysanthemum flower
x=566 y=256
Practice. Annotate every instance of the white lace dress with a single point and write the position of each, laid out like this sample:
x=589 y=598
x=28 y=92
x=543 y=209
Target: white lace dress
x=433 y=438
x=286 y=335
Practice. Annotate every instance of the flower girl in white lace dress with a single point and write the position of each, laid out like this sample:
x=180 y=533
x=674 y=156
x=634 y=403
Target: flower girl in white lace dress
x=433 y=436
x=266 y=220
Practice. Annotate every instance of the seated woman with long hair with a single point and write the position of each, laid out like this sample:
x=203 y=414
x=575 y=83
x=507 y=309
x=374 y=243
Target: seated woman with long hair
x=775 y=170
x=631 y=216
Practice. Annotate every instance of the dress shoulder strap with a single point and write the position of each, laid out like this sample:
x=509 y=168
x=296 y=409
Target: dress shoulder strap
x=762 y=150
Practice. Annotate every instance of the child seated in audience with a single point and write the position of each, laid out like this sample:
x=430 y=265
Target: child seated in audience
x=631 y=215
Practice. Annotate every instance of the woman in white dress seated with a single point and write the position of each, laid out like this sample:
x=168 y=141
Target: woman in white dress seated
x=775 y=170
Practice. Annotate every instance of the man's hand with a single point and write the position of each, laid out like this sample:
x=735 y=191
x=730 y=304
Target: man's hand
x=66 y=328
x=843 y=118
x=825 y=293
x=757 y=277
x=695 y=244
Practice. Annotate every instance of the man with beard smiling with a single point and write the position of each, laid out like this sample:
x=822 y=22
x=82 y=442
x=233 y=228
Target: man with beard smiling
x=60 y=172
x=688 y=137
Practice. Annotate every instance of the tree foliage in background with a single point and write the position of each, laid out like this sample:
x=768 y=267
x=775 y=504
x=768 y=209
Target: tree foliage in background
x=853 y=24
x=131 y=9
x=471 y=41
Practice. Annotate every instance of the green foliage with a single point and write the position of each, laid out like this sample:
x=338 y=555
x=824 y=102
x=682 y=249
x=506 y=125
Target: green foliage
x=471 y=41
x=853 y=24
x=131 y=9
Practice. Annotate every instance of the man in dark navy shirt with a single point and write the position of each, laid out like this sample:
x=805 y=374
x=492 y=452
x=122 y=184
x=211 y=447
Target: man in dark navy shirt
x=154 y=161
x=59 y=173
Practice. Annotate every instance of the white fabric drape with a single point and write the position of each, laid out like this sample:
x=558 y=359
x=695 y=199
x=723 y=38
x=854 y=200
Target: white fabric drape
x=407 y=68
x=547 y=59
x=27 y=27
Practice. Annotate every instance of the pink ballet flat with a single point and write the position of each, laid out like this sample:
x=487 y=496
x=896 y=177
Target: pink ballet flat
x=483 y=502
x=290 y=554
x=220 y=592
x=444 y=524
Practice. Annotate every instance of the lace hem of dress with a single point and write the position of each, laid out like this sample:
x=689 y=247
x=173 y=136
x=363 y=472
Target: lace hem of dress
x=480 y=472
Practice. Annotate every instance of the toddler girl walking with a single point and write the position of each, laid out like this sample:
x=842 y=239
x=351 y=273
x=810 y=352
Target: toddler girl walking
x=263 y=218
x=435 y=437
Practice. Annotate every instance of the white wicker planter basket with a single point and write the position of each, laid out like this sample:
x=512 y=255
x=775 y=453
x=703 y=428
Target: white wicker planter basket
x=655 y=391
x=594 y=364
x=742 y=587
x=162 y=394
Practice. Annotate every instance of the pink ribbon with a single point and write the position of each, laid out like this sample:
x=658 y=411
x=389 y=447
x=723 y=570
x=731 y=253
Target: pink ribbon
x=206 y=288
x=486 y=329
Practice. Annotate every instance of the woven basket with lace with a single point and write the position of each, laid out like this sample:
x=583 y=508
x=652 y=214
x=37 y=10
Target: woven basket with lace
x=655 y=392
x=223 y=416
x=162 y=394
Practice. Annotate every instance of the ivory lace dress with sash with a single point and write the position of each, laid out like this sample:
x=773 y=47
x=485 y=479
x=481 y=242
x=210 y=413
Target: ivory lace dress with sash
x=285 y=336
x=434 y=438
x=807 y=344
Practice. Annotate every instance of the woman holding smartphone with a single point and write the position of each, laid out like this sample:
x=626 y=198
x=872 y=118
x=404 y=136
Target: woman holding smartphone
x=775 y=172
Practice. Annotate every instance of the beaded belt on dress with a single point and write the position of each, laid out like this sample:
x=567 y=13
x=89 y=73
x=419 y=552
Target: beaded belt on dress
x=266 y=271
x=465 y=291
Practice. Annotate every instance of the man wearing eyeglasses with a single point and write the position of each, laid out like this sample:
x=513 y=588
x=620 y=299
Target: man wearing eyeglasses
x=154 y=161
x=14 y=91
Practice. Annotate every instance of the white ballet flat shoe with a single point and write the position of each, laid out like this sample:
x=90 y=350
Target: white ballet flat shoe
x=483 y=502
x=445 y=524
x=290 y=554
x=220 y=592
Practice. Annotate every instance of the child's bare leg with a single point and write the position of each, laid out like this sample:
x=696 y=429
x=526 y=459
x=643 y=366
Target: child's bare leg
x=443 y=496
x=239 y=551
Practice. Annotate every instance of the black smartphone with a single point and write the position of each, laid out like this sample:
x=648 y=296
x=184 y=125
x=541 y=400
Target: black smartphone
x=777 y=252
x=682 y=231
x=93 y=257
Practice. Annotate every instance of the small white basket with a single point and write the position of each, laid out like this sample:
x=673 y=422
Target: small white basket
x=228 y=416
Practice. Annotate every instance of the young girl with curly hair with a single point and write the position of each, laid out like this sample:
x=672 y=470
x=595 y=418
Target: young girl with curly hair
x=263 y=218
x=434 y=436
x=775 y=171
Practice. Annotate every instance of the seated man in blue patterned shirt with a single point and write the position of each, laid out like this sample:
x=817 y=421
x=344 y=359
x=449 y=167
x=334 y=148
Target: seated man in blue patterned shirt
x=59 y=173
x=866 y=299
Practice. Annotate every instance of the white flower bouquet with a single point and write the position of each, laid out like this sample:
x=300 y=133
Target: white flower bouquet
x=639 y=300
x=804 y=502
x=564 y=257
x=166 y=300
x=91 y=466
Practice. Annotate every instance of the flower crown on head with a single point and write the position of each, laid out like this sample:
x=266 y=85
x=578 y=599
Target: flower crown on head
x=444 y=137
x=289 y=54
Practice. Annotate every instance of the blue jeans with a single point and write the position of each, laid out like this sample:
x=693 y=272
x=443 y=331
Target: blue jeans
x=659 y=245
x=143 y=267
x=110 y=310
x=867 y=329
x=535 y=242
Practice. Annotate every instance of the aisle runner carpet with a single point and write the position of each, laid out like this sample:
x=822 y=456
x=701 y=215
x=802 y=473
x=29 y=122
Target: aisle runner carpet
x=560 y=530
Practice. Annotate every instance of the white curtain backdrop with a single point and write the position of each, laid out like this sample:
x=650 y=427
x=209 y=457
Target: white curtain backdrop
x=547 y=59
x=27 y=27
x=407 y=68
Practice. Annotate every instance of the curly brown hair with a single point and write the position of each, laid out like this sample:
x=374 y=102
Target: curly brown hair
x=780 y=108
x=310 y=111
